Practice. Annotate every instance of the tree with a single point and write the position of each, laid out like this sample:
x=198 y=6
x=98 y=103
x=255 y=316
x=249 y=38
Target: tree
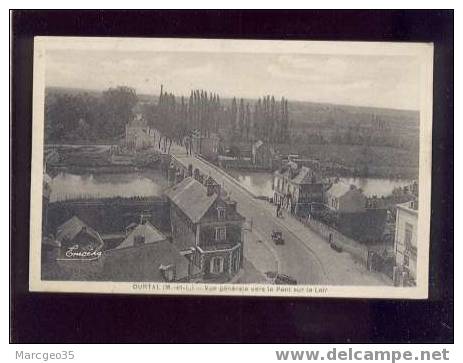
x=117 y=105
x=247 y=122
x=241 y=120
x=233 y=116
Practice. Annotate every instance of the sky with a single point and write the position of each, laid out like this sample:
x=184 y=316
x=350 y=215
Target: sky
x=362 y=80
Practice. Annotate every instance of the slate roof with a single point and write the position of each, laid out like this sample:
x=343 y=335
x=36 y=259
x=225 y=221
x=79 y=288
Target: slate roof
x=210 y=181
x=149 y=257
x=146 y=230
x=191 y=197
x=339 y=189
x=168 y=254
x=71 y=228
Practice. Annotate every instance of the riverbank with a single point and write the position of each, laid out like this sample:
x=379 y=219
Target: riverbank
x=100 y=169
x=66 y=185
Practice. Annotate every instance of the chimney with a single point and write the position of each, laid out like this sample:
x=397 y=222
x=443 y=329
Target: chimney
x=212 y=186
x=144 y=217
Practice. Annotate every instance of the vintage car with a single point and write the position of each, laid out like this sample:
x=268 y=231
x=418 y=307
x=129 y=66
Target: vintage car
x=280 y=279
x=277 y=237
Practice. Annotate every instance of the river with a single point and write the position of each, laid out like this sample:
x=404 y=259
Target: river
x=67 y=185
x=260 y=183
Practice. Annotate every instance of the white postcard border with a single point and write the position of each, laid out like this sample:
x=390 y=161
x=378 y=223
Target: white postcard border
x=424 y=52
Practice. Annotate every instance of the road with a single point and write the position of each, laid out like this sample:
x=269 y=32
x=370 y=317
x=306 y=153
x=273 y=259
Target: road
x=304 y=256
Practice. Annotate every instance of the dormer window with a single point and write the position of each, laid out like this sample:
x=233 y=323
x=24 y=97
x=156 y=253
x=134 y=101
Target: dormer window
x=221 y=213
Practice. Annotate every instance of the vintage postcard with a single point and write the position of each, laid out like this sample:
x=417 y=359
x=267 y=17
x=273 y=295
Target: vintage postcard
x=231 y=167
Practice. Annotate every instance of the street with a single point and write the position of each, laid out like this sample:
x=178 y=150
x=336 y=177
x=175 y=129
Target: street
x=305 y=256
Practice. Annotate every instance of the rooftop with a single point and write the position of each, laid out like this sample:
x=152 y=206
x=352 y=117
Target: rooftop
x=305 y=176
x=191 y=197
x=150 y=233
x=161 y=253
x=410 y=207
x=339 y=189
x=71 y=228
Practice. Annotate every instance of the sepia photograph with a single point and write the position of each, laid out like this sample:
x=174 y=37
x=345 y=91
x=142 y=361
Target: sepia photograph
x=231 y=167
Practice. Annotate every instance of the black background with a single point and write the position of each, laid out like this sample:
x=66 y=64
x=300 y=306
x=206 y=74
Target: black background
x=80 y=318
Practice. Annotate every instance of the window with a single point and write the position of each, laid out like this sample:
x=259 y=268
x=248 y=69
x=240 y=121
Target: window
x=220 y=233
x=408 y=236
x=221 y=213
x=216 y=265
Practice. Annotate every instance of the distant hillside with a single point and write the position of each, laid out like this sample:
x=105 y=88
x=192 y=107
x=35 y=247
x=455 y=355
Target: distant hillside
x=331 y=115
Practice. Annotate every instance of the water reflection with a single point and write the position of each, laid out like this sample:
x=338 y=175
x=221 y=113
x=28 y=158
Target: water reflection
x=377 y=186
x=260 y=183
x=69 y=186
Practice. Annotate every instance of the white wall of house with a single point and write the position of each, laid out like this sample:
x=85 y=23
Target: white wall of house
x=406 y=233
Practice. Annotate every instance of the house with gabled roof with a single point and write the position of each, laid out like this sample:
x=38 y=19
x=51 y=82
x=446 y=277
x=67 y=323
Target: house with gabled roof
x=345 y=198
x=206 y=227
x=146 y=255
x=76 y=235
x=297 y=189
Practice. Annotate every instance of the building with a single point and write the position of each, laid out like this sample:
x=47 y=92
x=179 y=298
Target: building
x=344 y=198
x=240 y=150
x=46 y=195
x=405 y=244
x=146 y=255
x=206 y=146
x=262 y=155
x=299 y=190
x=78 y=240
x=73 y=254
x=206 y=227
x=138 y=135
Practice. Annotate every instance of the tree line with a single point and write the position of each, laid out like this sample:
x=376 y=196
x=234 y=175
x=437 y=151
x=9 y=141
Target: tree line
x=204 y=113
x=93 y=117
x=88 y=117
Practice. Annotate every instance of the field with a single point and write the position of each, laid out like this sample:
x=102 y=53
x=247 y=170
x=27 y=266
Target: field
x=366 y=141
